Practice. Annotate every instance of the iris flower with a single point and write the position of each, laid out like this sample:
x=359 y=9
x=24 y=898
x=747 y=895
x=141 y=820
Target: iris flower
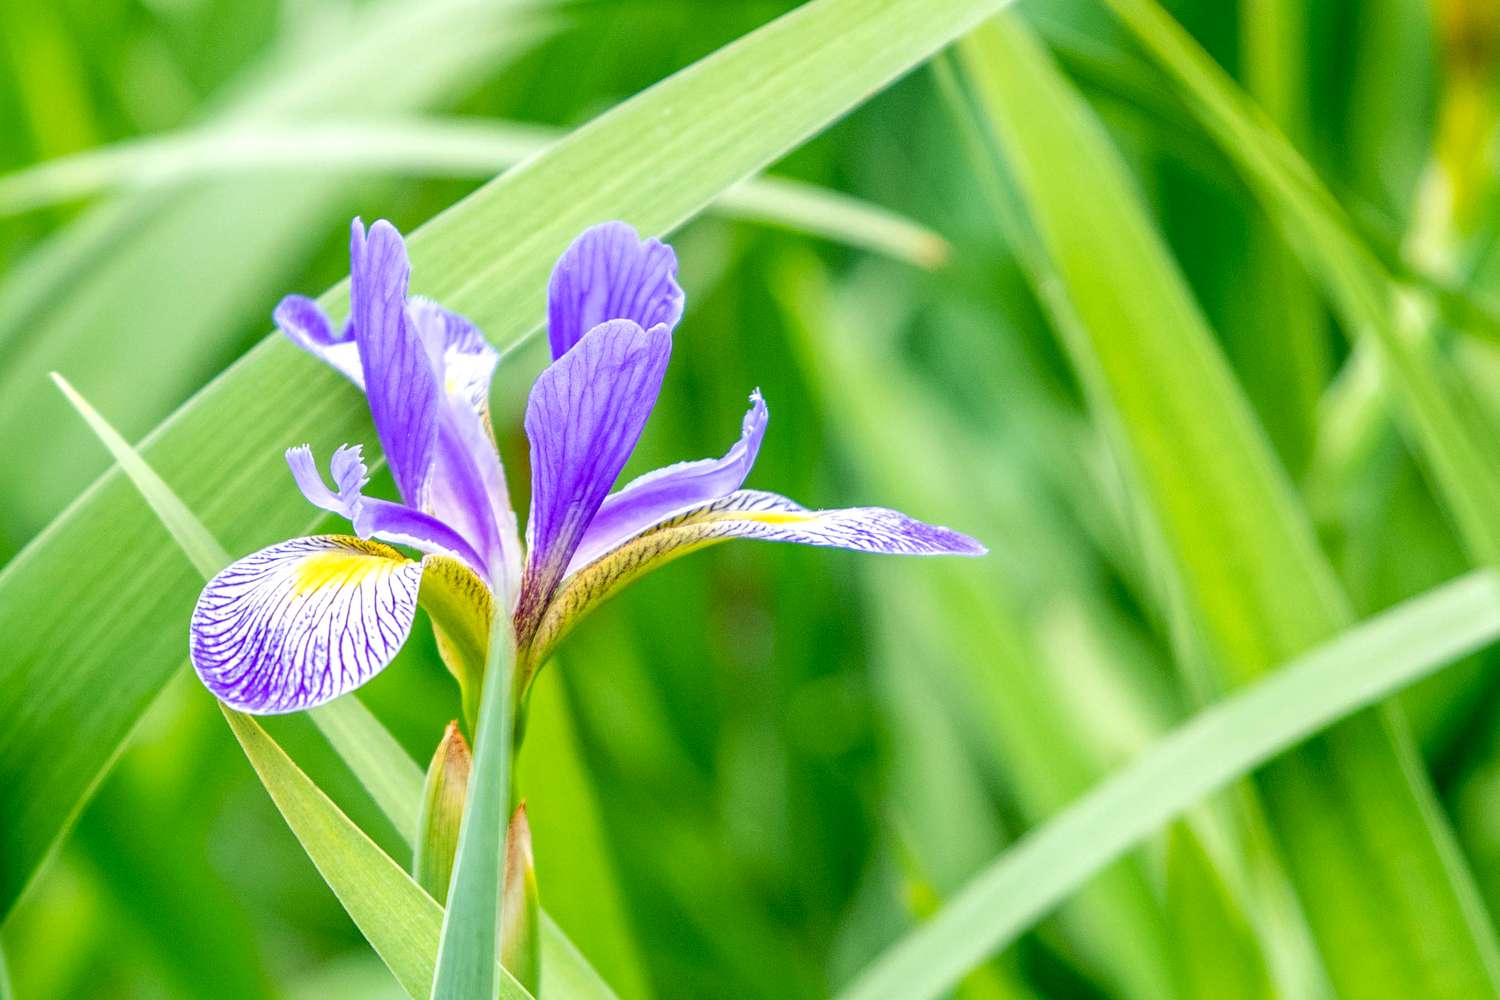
x=307 y=620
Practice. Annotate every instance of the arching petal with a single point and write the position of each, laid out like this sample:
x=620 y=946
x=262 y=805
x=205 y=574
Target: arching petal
x=458 y=352
x=303 y=322
x=402 y=525
x=743 y=514
x=349 y=475
x=302 y=622
x=610 y=273
x=469 y=492
x=382 y=519
x=399 y=380
x=468 y=489
x=584 y=417
x=648 y=499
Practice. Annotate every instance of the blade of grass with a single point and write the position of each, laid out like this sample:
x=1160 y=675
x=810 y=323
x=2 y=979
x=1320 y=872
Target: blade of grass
x=971 y=626
x=385 y=770
x=1359 y=668
x=432 y=147
x=402 y=923
x=1238 y=817
x=377 y=759
x=471 y=926
x=1458 y=449
x=1255 y=585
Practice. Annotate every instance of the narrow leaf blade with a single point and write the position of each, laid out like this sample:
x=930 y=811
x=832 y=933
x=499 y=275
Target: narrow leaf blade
x=1359 y=668
x=471 y=926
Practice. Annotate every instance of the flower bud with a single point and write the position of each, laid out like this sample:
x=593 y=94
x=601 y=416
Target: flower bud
x=520 y=908
x=442 y=813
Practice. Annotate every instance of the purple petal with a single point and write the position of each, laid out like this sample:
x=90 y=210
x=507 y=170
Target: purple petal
x=305 y=325
x=774 y=518
x=349 y=474
x=394 y=522
x=468 y=492
x=302 y=622
x=644 y=501
x=610 y=273
x=584 y=417
x=743 y=514
x=458 y=352
x=399 y=380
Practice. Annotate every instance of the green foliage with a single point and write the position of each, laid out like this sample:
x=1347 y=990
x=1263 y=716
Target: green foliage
x=1364 y=665
x=1243 y=553
x=1187 y=310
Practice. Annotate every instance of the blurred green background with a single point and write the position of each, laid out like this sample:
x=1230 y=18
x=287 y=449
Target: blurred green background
x=762 y=756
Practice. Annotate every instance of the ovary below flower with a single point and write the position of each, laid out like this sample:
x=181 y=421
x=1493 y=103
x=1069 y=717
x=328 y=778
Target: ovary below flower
x=304 y=621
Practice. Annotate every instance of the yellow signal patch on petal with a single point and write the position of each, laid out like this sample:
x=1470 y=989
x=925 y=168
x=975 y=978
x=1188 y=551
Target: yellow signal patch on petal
x=345 y=567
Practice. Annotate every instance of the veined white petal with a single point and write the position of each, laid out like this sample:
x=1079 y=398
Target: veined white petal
x=302 y=622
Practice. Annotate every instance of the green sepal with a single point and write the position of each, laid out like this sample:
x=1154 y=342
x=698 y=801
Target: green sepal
x=442 y=813
x=460 y=606
x=520 y=907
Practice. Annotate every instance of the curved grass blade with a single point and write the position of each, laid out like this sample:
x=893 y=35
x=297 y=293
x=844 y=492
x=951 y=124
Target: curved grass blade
x=1361 y=667
x=1459 y=449
x=1252 y=578
x=985 y=669
x=433 y=147
x=155 y=287
x=390 y=776
x=369 y=750
x=710 y=126
x=385 y=770
x=400 y=921
x=471 y=926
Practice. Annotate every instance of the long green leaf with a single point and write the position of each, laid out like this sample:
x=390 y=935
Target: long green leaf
x=433 y=147
x=1361 y=667
x=471 y=925
x=400 y=921
x=983 y=664
x=386 y=771
x=654 y=161
x=1251 y=575
x=371 y=752
x=1459 y=449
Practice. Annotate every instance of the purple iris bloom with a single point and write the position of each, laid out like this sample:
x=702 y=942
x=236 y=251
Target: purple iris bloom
x=302 y=622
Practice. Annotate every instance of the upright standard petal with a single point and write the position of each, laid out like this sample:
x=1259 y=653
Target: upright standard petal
x=302 y=622
x=584 y=417
x=648 y=499
x=743 y=514
x=609 y=273
x=399 y=380
x=302 y=321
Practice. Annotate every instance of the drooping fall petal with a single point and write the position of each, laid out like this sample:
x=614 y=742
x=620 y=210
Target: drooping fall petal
x=302 y=622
